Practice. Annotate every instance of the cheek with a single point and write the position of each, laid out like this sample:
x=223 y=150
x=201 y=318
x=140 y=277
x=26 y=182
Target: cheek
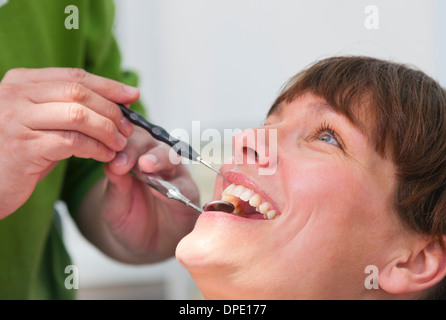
x=332 y=215
x=331 y=188
x=337 y=207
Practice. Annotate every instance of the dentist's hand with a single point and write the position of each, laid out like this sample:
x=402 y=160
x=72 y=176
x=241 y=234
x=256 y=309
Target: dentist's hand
x=145 y=223
x=47 y=115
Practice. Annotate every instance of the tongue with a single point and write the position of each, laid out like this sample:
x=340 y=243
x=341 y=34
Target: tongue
x=248 y=211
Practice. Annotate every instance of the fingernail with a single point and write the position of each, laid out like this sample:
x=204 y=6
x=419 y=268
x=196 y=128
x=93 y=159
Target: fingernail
x=120 y=160
x=111 y=154
x=131 y=91
x=127 y=126
x=151 y=157
x=122 y=141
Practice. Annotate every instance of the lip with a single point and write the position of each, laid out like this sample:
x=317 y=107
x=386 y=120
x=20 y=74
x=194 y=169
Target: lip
x=228 y=217
x=234 y=177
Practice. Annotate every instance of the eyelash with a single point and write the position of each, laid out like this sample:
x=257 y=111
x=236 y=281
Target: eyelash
x=326 y=128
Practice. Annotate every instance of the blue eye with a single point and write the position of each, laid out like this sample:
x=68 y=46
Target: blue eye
x=329 y=139
x=326 y=134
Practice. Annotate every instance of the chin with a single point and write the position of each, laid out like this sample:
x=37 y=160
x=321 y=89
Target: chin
x=200 y=256
x=206 y=246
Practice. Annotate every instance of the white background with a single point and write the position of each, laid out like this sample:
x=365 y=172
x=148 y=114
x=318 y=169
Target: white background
x=222 y=62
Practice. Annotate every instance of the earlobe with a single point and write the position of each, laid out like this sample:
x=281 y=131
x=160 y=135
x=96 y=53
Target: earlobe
x=415 y=271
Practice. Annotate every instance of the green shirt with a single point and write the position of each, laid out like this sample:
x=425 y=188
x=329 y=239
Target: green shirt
x=33 y=35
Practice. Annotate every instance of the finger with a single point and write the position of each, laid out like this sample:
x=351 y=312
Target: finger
x=109 y=89
x=137 y=145
x=117 y=200
x=59 y=91
x=122 y=184
x=165 y=162
x=55 y=145
x=76 y=117
x=160 y=159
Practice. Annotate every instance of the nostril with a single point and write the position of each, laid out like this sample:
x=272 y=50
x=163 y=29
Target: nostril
x=256 y=155
x=252 y=157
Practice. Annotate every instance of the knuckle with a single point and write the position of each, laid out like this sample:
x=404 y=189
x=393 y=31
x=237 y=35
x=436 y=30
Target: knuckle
x=72 y=139
x=109 y=129
x=77 y=114
x=75 y=91
x=13 y=73
x=112 y=112
x=77 y=74
x=6 y=117
x=7 y=113
x=7 y=89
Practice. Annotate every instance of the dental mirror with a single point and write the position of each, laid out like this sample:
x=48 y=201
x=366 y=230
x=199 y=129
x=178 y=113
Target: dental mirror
x=219 y=205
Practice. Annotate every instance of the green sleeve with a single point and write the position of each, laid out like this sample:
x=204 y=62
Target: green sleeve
x=102 y=57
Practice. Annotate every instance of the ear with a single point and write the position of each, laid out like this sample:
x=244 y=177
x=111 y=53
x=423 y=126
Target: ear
x=415 y=271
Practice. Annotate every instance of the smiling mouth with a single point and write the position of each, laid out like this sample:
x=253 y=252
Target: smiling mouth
x=248 y=203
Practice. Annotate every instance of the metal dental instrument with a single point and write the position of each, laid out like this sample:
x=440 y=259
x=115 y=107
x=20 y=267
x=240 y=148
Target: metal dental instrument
x=172 y=192
x=180 y=147
x=164 y=187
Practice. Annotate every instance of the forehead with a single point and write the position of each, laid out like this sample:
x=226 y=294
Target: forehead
x=308 y=104
x=359 y=117
x=313 y=105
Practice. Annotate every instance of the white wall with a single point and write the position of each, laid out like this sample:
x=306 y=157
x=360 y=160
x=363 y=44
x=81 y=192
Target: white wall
x=223 y=62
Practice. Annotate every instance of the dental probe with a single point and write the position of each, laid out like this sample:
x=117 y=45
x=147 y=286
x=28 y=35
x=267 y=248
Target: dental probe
x=180 y=147
x=173 y=193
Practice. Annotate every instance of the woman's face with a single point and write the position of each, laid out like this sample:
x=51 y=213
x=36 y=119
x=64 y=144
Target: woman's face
x=332 y=194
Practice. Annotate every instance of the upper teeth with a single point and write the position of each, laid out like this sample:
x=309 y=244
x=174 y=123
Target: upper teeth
x=234 y=193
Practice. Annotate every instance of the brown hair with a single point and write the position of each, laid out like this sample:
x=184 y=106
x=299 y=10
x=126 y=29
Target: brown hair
x=403 y=112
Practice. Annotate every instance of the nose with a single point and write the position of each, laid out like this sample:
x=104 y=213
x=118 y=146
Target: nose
x=257 y=147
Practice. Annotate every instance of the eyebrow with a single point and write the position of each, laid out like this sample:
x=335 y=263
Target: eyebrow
x=324 y=107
